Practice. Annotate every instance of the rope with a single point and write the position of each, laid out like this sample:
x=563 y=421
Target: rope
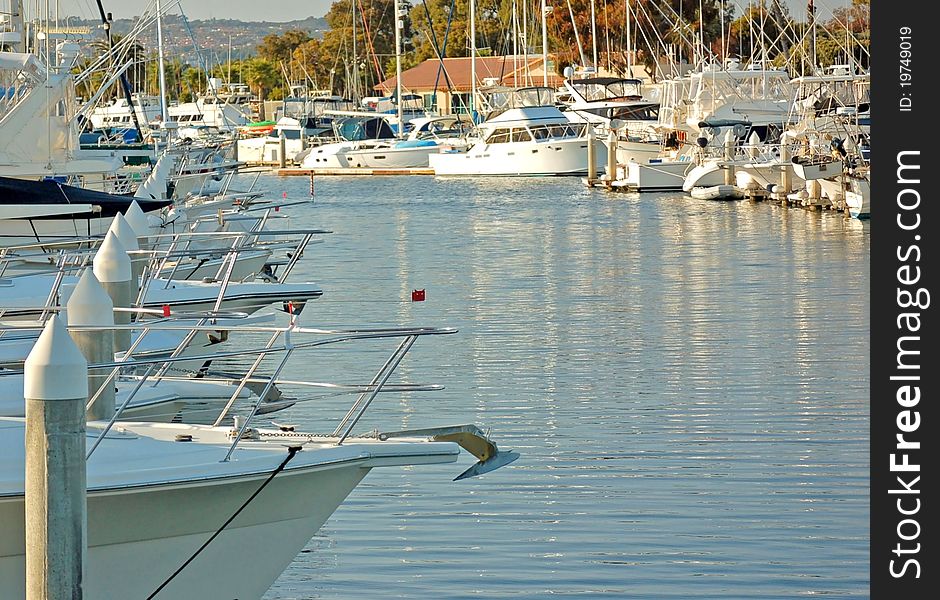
x=291 y=452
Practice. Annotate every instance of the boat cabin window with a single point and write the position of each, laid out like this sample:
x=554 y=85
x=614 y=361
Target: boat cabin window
x=519 y=134
x=566 y=131
x=636 y=113
x=541 y=132
x=499 y=136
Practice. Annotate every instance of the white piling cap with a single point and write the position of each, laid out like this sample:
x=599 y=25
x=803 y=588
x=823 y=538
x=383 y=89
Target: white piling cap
x=55 y=368
x=729 y=137
x=135 y=217
x=124 y=232
x=111 y=263
x=89 y=304
x=754 y=140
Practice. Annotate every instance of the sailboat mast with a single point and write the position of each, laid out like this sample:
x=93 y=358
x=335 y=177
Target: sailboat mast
x=473 y=55
x=355 y=56
x=399 y=23
x=515 y=44
x=626 y=5
x=163 y=113
x=594 y=34
x=544 y=47
x=811 y=9
x=525 y=39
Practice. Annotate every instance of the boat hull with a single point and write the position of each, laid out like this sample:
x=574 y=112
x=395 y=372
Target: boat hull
x=137 y=538
x=659 y=176
x=542 y=158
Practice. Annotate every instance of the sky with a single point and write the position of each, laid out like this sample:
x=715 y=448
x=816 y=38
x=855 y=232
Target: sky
x=286 y=10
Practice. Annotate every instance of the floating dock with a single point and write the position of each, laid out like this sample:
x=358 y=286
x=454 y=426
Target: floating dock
x=295 y=171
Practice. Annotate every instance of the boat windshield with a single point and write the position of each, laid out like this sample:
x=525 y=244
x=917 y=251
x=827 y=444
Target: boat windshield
x=354 y=129
x=607 y=88
x=505 y=98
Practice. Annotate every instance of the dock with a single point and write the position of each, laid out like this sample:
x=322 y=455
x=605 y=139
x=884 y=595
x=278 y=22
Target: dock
x=296 y=171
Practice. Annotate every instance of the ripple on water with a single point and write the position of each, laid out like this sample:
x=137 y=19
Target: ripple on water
x=687 y=382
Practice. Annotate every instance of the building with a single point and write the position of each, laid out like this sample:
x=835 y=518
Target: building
x=446 y=87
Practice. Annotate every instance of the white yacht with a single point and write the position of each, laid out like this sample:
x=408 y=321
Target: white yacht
x=370 y=142
x=698 y=111
x=117 y=113
x=157 y=492
x=426 y=137
x=528 y=137
x=224 y=107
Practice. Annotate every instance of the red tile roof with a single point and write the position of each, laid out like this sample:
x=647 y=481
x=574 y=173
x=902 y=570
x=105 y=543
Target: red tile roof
x=422 y=77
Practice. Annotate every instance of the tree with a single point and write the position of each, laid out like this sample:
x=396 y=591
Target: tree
x=124 y=51
x=280 y=48
x=260 y=75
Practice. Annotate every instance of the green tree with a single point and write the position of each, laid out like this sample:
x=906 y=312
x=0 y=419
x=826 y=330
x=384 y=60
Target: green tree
x=261 y=76
x=280 y=48
x=375 y=43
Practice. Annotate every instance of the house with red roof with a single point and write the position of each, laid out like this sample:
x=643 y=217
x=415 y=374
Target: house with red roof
x=445 y=84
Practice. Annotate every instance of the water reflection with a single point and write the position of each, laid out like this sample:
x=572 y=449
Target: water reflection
x=673 y=371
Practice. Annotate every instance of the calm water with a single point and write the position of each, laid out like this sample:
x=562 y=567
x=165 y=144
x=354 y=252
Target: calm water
x=687 y=382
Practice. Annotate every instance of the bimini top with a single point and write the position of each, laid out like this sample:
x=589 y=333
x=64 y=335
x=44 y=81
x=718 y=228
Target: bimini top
x=593 y=89
x=49 y=191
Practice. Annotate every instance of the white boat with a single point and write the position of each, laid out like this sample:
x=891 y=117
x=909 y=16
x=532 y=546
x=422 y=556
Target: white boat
x=426 y=137
x=530 y=140
x=656 y=175
x=223 y=108
x=183 y=511
x=25 y=295
x=32 y=92
x=44 y=211
x=613 y=102
x=356 y=132
x=117 y=113
x=154 y=500
x=817 y=166
x=717 y=192
x=858 y=196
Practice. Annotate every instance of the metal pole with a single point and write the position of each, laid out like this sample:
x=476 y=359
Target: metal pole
x=544 y=46
x=473 y=56
x=594 y=34
x=163 y=113
x=399 y=24
x=55 y=387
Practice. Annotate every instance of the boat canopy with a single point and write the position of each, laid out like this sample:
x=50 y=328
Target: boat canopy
x=595 y=89
x=354 y=129
x=50 y=191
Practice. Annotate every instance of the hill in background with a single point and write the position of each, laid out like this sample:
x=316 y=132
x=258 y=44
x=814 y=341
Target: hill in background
x=212 y=35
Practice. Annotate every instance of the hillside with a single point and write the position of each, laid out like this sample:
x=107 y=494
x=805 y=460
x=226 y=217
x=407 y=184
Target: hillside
x=212 y=35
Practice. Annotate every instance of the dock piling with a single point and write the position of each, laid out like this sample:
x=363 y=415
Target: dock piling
x=611 y=156
x=128 y=238
x=591 y=160
x=112 y=267
x=90 y=305
x=729 y=140
x=54 y=387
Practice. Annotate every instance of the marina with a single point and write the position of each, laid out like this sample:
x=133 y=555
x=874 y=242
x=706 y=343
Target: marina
x=446 y=300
